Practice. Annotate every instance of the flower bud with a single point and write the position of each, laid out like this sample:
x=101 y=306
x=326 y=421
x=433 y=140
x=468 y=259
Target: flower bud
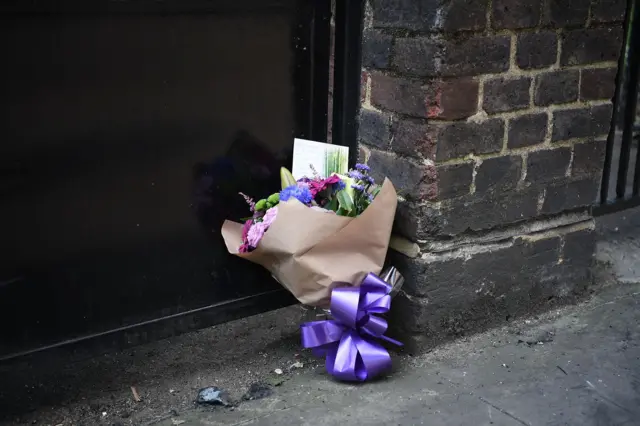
x=274 y=199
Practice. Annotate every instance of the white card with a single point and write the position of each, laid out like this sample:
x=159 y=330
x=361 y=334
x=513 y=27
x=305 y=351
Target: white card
x=326 y=158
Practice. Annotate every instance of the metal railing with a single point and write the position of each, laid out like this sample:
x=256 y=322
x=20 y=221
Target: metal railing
x=621 y=176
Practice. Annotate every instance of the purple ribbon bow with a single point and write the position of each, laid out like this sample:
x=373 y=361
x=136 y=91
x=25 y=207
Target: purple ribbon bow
x=347 y=340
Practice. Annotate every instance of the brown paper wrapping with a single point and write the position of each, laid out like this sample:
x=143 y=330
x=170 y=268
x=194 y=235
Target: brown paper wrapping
x=309 y=251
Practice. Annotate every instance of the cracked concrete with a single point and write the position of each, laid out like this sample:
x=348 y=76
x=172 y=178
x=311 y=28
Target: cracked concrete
x=576 y=366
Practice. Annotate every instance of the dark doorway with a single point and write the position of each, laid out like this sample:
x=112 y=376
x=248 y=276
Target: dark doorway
x=128 y=130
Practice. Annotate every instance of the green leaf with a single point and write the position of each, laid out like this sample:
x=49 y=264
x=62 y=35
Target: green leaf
x=244 y=219
x=345 y=201
x=332 y=204
x=286 y=178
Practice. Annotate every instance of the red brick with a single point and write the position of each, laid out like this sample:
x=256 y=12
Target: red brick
x=398 y=95
x=454 y=99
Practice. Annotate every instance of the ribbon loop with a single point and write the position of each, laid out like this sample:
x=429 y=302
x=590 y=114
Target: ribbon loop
x=347 y=341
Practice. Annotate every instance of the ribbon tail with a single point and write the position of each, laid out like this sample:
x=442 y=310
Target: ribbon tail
x=390 y=340
x=375 y=358
x=316 y=334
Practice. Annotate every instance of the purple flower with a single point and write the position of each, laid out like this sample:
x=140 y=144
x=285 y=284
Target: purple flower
x=358 y=187
x=255 y=234
x=362 y=167
x=339 y=186
x=370 y=198
x=354 y=174
x=302 y=194
x=369 y=180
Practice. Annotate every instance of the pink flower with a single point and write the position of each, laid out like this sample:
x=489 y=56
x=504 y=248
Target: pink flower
x=269 y=217
x=255 y=234
x=245 y=229
x=244 y=248
x=332 y=179
x=318 y=185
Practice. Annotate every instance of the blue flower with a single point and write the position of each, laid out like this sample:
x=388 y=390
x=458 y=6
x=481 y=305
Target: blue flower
x=339 y=186
x=370 y=198
x=356 y=187
x=362 y=167
x=369 y=180
x=354 y=174
x=302 y=194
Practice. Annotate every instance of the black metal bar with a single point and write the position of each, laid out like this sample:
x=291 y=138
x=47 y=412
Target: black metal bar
x=608 y=158
x=631 y=56
x=632 y=90
x=616 y=206
x=171 y=325
x=348 y=69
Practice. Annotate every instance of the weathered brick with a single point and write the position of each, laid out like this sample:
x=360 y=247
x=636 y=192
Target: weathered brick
x=398 y=94
x=413 y=139
x=364 y=82
x=416 y=221
x=579 y=247
x=498 y=174
x=504 y=94
x=570 y=195
x=376 y=49
x=419 y=56
x=460 y=139
x=598 y=83
x=476 y=55
x=527 y=130
x=588 y=159
x=475 y=212
x=536 y=50
x=556 y=87
x=450 y=279
x=409 y=14
x=515 y=13
x=564 y=13
x=581 y=122
x=488 y=210
x=416 y=181
x=455 y=98
x=548 y=165
x=441 y=302
x=464 y=15
x=374 y=128
x=454 y=180
x=608 y=10
x=363 y=154
x=591 y=46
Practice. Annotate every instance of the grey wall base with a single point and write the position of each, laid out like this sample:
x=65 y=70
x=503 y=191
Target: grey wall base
x=489 y=280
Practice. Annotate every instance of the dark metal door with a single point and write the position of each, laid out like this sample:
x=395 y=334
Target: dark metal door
x=128 y=129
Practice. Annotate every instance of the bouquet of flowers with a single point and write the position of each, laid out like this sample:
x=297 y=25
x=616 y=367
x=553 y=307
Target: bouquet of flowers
x=318 y=233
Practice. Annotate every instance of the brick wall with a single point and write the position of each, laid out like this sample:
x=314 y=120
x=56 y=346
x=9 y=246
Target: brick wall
x=490 y=116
